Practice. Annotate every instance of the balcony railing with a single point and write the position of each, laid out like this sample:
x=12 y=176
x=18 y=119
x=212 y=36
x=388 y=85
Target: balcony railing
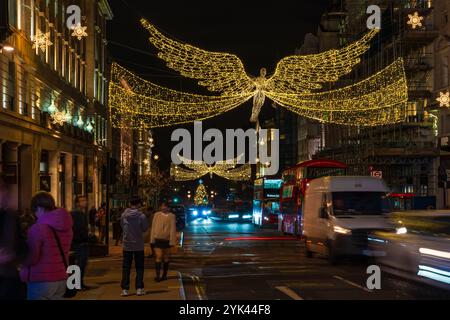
x=417 y=85
x=420 y=62
x=417 y=4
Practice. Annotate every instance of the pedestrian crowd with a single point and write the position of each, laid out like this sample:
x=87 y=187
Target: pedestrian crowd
x=37 y=247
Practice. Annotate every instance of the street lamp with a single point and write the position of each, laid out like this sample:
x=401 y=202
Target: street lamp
x=6 y=47
x=156 y=157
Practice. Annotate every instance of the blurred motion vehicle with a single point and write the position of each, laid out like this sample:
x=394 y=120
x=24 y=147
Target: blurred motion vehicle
x=240 y=211
x=266 y=202
x=197 y=213
x=180 y=214
x=421 y=251
x=340 y=212
x=295 y=182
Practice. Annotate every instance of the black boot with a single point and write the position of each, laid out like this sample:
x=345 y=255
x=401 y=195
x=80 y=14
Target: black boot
x=166 y=268
x=158 y=271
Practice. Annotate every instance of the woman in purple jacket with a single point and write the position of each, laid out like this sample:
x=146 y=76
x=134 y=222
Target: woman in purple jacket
x=44 y=269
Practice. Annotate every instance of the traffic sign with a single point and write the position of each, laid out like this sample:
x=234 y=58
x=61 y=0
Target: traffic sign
x=377 y=174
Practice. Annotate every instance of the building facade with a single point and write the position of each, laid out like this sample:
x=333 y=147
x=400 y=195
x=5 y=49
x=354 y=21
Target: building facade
x=54 y=128
x=405 y=154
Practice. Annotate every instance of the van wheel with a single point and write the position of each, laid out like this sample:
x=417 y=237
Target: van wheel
x=332 y=257
x=308 y=253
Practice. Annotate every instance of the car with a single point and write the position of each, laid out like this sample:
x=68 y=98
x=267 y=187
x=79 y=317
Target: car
x=420 y=251
x=180 y=214
x=238 y=212
x=196 y=213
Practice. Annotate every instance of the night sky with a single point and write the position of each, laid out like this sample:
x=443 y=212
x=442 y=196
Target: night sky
x=259 y=32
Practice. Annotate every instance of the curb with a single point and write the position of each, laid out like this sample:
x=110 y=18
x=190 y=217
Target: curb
x=181 y=290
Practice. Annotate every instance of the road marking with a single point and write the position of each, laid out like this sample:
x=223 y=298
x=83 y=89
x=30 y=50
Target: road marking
x=289 y=292
x=198 y=289
x=352 y=283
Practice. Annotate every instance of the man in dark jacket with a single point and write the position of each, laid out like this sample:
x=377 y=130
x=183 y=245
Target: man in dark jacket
x=80 y=242
x=134 y=223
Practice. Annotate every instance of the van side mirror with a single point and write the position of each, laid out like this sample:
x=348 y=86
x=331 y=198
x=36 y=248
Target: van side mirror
x=323 y=213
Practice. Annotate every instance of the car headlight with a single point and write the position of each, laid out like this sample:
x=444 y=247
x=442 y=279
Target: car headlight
x=266 y=218
x=204 y=212
x=401 y=230
x=341 y=230
x=195 y=212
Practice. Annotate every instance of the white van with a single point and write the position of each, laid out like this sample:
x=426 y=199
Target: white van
x=340 y=212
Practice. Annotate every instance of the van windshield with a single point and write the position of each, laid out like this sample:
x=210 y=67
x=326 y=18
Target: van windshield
x=360 y=203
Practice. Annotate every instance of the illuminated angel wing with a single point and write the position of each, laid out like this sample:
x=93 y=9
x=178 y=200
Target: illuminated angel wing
x=180 y=174
x=219 y=72
x=241 y=173
x=377 y=100
x=302 y=73
x=198 y=166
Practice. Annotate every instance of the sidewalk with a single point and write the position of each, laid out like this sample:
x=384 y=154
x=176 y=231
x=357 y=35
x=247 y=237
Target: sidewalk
x=103 y=276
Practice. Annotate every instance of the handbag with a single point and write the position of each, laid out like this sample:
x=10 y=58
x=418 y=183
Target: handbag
x=70 y=293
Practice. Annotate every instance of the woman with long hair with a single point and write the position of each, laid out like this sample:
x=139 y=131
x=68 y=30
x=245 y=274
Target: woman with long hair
x=163 y=237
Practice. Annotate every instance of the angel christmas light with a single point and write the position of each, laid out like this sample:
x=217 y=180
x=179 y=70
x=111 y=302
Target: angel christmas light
x=296 y=84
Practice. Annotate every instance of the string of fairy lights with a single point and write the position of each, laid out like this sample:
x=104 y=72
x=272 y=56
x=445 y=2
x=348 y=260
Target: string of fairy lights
x=296 y=85
x=227 y=169
x=241 y=173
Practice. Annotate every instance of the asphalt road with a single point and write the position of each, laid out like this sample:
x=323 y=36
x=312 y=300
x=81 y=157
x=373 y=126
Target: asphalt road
x=216 y=263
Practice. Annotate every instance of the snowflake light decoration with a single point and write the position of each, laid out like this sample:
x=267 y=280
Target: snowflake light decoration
x=444 y=99
x=79 y=31
x=415 y=20
x=41 y=40
x=59 y=118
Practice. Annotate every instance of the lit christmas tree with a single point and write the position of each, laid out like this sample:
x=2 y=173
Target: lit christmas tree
x=201 y=196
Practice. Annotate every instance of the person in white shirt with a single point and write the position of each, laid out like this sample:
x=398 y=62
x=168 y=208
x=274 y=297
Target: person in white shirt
x=163 y=237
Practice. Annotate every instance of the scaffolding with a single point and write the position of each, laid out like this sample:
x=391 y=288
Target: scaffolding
x=406 y=153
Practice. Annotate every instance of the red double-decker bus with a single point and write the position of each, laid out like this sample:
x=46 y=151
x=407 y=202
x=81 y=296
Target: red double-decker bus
x=295 y=181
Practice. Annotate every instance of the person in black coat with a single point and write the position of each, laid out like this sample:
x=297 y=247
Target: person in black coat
x=80 y=242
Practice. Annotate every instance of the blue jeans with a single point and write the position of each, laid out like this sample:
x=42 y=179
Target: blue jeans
x=46 y=290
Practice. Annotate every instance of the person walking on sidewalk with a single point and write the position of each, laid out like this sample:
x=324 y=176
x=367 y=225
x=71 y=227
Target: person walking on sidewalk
x=101 y=218
x=163 y=236
x=134 y=223
x=92 y=218
x=13 y=249
x=49 y=242
x=80 y=242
